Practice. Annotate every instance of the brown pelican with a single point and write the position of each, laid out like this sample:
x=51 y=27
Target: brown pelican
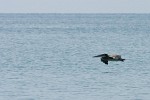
x=105 y=58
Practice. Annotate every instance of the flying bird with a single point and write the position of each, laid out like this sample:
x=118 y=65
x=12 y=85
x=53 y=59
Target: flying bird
x=105 y=58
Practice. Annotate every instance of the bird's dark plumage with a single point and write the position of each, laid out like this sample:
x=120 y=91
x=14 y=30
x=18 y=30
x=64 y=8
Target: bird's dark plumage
x=102 y=55
x=105 y=58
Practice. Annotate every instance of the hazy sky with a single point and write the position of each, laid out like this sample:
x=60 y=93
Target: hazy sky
x=74 y=6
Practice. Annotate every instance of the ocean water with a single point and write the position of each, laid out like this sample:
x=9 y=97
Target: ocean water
x=50 y=56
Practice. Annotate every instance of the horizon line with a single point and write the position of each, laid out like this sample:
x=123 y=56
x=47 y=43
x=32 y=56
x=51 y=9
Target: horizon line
x=73 y=13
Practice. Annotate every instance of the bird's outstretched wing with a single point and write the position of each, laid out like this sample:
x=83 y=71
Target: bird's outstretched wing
x=104 y=61
x=102 y=55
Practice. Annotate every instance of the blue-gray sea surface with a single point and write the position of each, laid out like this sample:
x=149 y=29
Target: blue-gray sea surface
x=50 y=56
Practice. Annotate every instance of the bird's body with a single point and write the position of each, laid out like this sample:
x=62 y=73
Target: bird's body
x=105 y=58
